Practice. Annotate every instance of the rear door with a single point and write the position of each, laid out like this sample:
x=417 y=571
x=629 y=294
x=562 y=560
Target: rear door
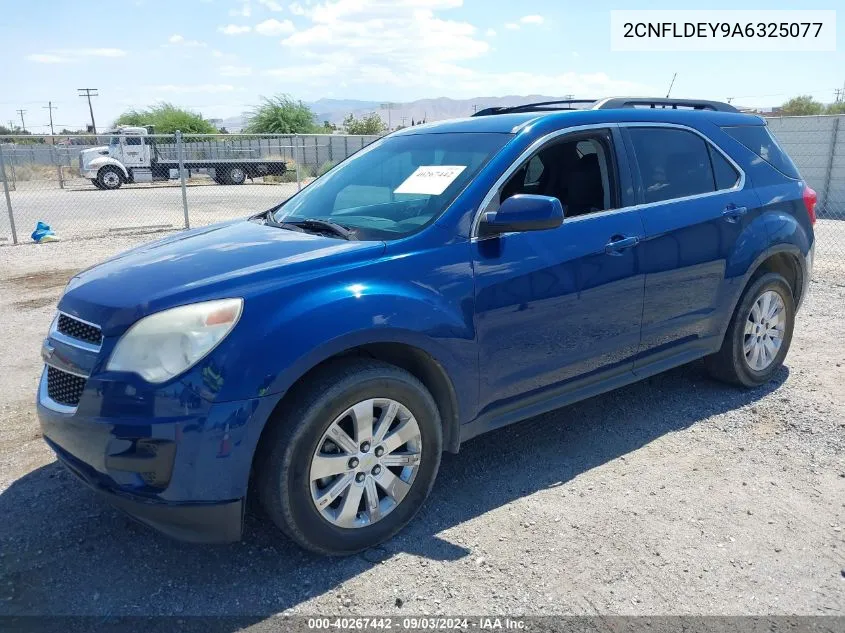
x=694 y=207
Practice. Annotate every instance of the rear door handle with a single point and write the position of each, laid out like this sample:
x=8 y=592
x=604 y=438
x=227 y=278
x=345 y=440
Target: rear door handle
x=732 y=213
x=617 y=244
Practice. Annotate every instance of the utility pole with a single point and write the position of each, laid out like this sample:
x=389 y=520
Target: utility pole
x=50 y=107
x=388 y=106
x=23 y=125
x=89 y=92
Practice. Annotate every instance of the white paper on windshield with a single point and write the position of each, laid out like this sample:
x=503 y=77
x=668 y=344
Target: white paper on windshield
x=430 y=179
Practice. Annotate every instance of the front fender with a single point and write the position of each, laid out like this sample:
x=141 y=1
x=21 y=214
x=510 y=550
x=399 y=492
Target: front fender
x=98 y=163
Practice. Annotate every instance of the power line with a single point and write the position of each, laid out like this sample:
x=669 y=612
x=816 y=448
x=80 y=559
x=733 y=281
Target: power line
x=23 y=125
x=89 y=92
x=50 y=107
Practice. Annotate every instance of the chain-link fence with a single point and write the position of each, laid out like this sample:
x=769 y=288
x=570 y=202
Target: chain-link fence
x=816 y=145
x=87 y=186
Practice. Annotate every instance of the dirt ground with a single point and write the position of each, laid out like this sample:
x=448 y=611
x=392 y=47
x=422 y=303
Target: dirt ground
x=677 y=495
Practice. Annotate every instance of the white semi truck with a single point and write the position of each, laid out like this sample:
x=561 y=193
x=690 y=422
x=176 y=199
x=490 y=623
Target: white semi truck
x=134 y=155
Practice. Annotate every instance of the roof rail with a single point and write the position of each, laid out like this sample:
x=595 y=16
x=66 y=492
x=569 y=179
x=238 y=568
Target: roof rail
x=657 y=103
x=529 y=107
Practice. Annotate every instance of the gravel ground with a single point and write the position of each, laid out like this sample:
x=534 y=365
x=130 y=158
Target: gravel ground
x=677 y=495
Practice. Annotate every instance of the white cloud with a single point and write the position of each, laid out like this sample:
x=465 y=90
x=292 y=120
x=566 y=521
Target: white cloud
x=274 y=27
x=244 y=10
x=235 y=71
x=234 y=29
x=179 y=40
x=532 y=19
x=92 y=52
x=272 y=5
x=513 y=26
x=409 y=47
x=69 y=55
x=216 y=53
x=44 y=58
x=185 y=89
x=490 y=33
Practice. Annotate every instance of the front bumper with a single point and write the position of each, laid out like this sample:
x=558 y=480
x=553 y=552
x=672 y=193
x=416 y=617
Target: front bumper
x=184 y=473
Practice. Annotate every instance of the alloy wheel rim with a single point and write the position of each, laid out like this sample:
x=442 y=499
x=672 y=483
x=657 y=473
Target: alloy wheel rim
x=764 y=330
x=365 y=463
x=238 y=174
x=110 y=179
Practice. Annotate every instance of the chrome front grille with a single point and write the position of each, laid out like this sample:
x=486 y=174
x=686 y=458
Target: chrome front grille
x=79 y=330
x=63 y=387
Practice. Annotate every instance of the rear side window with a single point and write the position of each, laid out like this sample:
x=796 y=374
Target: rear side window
x=673 y=163
x=759 y=140
x=724 y=173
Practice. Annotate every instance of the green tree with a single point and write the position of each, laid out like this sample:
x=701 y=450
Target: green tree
x=281 y=115
x=370 y=124
x=801 y=106
x=166 y=118
x=836 y=108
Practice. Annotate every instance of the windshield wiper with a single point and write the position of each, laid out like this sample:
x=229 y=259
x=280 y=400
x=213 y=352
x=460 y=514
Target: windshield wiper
x=312 y=225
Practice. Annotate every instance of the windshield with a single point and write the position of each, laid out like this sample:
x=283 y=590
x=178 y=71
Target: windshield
x=114 y=140
x=397 y=186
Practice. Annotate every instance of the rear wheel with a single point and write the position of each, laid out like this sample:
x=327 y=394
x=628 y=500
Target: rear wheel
x=110 y=178
x=234 y=176
x=758 y=335
x=353 y=459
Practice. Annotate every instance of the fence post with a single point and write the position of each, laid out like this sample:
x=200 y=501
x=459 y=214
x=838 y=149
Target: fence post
x=179 y=151
x=58 y=160
x=830 y=157
x=345 y=147
x=8 y=198
x=296 y=159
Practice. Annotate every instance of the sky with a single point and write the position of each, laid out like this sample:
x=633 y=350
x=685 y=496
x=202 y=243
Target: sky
x=219 y=57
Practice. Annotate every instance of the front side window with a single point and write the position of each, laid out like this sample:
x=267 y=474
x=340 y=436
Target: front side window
x=673 y=163
x=576 y=171
x=133 y=140
x=397 y=186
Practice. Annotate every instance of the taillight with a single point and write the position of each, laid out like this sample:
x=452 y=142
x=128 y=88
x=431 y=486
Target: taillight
x=810 y=199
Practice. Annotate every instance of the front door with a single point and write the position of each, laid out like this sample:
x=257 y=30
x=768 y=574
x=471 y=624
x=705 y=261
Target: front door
x=557 y=305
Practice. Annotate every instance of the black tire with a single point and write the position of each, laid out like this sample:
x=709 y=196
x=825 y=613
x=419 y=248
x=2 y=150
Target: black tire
x=96 y=183
x=110 y=177
x=729 y=363
x=288 y=444
x=234 y=176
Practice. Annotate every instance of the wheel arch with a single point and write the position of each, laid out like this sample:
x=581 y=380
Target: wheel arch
x=105 y=161
x=415 y=360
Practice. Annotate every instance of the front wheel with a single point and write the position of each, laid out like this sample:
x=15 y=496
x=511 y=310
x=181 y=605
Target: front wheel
x=96 y=183
x=352 y=460
x=759 y=334
x=109 y=178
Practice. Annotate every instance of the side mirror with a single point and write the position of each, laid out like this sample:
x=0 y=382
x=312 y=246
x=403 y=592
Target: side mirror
x=522 y=212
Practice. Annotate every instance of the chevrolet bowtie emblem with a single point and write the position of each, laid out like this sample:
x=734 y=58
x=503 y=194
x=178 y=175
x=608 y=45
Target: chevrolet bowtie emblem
x=47 y=351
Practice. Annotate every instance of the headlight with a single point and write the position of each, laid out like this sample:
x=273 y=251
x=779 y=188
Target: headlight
x=165 y=344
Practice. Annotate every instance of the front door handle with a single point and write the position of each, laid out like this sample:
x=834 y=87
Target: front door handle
x=618 y=243
x=733 y=213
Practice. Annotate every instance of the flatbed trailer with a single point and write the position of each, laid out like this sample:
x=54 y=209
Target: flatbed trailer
x=135 y=156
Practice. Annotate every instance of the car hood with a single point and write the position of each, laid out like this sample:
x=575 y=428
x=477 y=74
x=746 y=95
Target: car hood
x=224 y=260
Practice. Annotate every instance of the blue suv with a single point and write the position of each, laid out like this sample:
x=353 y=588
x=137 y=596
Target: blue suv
x=447 y=280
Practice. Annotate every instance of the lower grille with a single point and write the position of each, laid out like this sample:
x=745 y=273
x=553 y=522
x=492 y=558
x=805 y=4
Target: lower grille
x=63 y=387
